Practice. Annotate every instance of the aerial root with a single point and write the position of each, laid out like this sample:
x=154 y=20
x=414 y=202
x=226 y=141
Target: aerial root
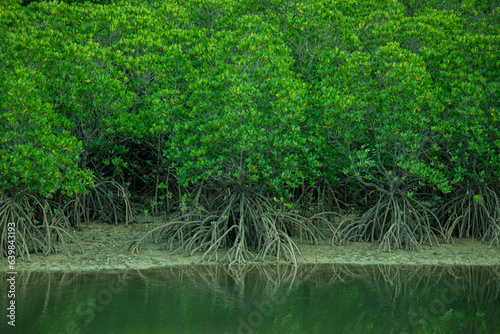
x=38 y=222
x=396 y=221
x=246 y=225
x=475 y=213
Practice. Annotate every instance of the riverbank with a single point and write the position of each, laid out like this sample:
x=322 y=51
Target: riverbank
x=105 y=248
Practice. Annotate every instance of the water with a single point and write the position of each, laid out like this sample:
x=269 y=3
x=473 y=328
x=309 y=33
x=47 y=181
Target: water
x=283 y=299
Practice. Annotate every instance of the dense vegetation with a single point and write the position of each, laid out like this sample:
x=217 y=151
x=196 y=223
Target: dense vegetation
x=250 y=123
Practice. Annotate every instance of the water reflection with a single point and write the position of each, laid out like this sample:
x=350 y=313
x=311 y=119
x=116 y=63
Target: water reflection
x=261 y=299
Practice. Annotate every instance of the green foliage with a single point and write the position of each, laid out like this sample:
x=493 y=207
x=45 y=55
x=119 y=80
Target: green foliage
x=97 y=2
x=244 y=120
x=383 y=108
x=37 y=153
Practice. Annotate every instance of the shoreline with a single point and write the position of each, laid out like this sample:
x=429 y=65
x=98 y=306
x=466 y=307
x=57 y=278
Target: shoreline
x=104 y=250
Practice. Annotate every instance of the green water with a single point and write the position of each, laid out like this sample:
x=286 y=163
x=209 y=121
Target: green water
x=308 y=299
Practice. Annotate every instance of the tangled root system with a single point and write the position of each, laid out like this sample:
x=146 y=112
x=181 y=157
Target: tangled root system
x=108 y=201
x=396 y=221
x=38 y=223
x=243 y=222
x=474 y=213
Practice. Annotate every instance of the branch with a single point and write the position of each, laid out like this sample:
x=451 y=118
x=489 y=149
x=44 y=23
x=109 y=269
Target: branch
x=373 y=185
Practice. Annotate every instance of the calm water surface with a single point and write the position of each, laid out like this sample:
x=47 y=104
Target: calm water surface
x=272 y=299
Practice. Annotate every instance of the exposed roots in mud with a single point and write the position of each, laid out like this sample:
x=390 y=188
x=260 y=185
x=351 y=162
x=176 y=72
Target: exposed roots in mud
x=108 y=201
x=320 y=209
x=242 y=222
x=396 y=221
x=38 y=225
x=475 y=213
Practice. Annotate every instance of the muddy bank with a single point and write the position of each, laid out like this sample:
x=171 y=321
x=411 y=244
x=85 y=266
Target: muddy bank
x=105 y=248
